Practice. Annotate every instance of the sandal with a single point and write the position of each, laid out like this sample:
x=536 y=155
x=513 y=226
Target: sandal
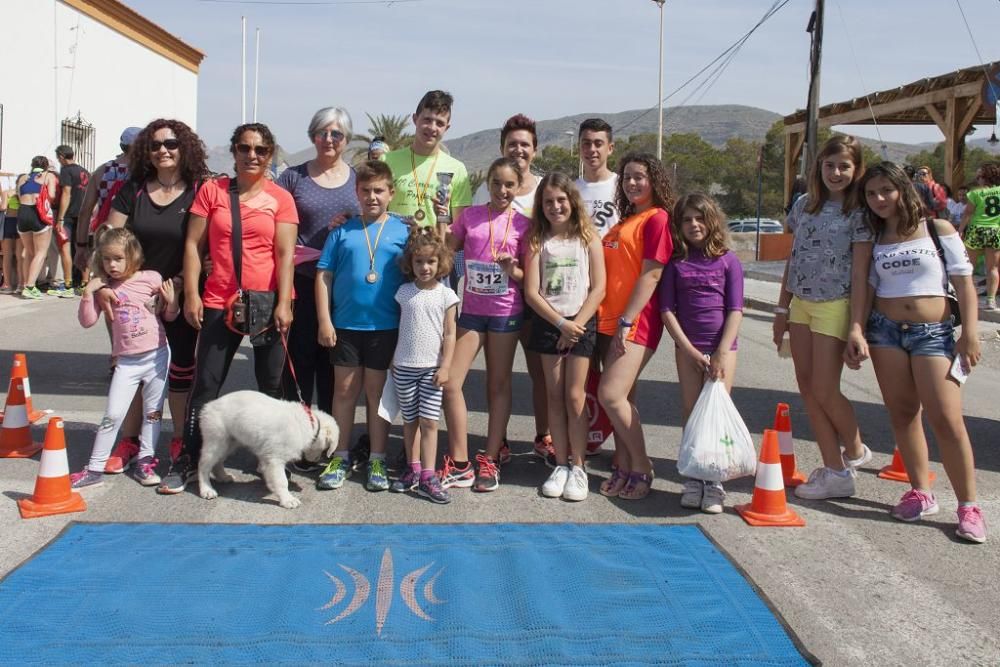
x=613 y=485
x=638 y=486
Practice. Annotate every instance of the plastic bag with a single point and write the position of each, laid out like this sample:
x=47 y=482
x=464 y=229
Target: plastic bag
x=716 y=445
x=388 y=404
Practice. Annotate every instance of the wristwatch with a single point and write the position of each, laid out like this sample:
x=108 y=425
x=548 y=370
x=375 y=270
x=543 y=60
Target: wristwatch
x=624 y=324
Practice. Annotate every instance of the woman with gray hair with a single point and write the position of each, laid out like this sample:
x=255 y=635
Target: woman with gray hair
x=324 y=192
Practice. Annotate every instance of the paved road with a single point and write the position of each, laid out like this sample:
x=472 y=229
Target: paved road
x=857 y=586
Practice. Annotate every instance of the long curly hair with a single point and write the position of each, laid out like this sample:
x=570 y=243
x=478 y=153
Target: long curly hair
x=663 y=194
x=419 y=239
x=911 y=209
x=191 y=154
x=579 y=221
x=989 y=173
x=717 y=238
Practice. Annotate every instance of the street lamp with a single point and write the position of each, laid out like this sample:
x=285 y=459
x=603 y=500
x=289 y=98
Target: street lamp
x=572 y=137
x=659 y=88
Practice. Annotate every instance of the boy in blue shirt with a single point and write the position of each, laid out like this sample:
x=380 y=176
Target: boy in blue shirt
x=357 y=277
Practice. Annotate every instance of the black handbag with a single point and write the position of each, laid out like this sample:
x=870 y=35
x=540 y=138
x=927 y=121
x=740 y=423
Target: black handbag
x=949 y=290
x=248 y=312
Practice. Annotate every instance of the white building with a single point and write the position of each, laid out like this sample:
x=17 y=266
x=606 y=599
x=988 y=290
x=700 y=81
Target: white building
x=80 y=71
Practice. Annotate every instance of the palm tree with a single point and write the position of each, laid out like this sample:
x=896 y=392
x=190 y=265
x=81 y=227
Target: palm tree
x=392 y=129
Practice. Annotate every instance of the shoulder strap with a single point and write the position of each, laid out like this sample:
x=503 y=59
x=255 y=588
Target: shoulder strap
x=932 y=230
x=237 y=233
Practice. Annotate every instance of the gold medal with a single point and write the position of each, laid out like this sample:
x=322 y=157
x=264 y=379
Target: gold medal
x=419 y=215
x=372 y=277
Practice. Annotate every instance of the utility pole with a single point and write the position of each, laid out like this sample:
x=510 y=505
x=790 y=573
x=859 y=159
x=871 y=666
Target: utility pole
x=659 y=89
x=256 y=74
x=815 y=28
x=243 y=72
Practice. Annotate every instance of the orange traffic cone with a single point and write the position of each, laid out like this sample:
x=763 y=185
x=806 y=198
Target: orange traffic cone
x=896 y=471
x=783 y=425
x=19 y=371
x=53 y=494
x=15 y=436
x=768 y=507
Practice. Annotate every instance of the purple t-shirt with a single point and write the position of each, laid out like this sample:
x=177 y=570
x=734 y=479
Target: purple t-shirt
x=488 y=290
x=701 y=292
x=316 y=205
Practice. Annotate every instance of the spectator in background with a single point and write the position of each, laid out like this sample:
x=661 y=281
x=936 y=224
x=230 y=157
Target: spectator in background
x=377 y=148
x=980 y=227
x=938 y=201
x=35 y=233
x=73 y=180
x=956 y=204
x=13 y=277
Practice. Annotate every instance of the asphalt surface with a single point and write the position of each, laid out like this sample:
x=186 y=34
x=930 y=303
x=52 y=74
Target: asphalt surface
x=857 y=587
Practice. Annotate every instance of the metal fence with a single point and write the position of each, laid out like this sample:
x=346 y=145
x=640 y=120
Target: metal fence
x=82 y=136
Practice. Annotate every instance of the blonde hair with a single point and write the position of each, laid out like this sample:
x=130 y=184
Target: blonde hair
x=421 y=238
x=580 y=224
x=120 y=236
x=717 y=238
x=817 y=192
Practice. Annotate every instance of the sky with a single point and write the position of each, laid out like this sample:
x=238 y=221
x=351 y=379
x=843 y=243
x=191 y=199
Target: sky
x=552 y=58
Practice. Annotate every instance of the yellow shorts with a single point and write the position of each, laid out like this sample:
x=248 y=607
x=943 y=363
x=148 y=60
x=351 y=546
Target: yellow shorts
x=830 y=318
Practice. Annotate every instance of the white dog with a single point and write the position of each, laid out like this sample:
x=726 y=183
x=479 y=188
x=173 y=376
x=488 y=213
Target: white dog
x=276 y=431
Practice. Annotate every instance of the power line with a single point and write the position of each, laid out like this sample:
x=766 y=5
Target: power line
x=864 y=86
x=387 y=3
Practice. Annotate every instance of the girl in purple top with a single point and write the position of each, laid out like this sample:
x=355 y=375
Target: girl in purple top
x=701 y=303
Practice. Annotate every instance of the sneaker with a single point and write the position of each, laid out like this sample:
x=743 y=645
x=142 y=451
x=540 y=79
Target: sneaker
x=7 y=290
x=406 y=482
x=180 y=473
x=713 y=497
x=31 y=293
x=866 y=456
x=61 y=291
x=122 y=456
x=577 y=486
x=556 y=483
x=825 y=483
x=176 y=447
x=543 y=448
x=488 y=477
x=503 y=456
x=306 y=466
x=914 y=505
x=451 y=476
x=378 y=479
x=694 y=491
x=432 y=490
x=333 y=476
x=991 y=304
x=971 y=524
x=144 y=471
x=84 y=478
x=361 y=451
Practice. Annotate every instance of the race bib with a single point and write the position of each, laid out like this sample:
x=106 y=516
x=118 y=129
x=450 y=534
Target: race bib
x=486 y=278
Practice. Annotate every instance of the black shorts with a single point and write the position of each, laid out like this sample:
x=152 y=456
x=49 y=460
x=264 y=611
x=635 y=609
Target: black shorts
x=370 y=349
x=28 y=221
x=545 y=336
x=9 y=227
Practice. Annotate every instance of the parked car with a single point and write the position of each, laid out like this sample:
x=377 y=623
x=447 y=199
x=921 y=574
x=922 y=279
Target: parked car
x=767 y=226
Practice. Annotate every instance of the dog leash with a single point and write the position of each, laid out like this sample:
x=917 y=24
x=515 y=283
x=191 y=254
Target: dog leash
x=295 y=380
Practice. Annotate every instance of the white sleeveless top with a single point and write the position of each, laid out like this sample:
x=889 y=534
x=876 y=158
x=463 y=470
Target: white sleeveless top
x=565 y=274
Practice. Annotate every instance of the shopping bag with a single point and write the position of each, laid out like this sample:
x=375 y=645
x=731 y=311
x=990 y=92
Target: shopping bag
x=598 y=423
x=716 y=444
x=388 y=405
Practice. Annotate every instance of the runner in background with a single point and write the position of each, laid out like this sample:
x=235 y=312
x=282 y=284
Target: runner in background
x=13 y=267
x=35 y=233
x=980 y=227
x=598 y=183
x=73 y=180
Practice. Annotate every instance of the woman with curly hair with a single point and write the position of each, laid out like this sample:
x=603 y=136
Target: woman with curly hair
x=628 y=321
x=167 y=162
x=980 y=226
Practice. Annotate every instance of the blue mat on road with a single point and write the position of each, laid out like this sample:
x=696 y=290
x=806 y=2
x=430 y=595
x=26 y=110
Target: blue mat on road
x=512 y=594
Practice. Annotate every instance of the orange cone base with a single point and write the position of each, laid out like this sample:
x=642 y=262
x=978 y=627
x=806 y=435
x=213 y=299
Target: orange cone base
x=25 y=452
x=892 y=474
x=788 y=519
x=32 y=510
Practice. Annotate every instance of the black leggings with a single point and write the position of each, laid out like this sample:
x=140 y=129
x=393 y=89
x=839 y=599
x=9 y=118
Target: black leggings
x=213 y=356
x=182 y=338
x=311 y=360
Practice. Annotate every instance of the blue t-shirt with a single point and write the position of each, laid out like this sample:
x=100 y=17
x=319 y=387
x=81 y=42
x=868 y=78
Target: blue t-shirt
x=357 y=303
x=317 y=206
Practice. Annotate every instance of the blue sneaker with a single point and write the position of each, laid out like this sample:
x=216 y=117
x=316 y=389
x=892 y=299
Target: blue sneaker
x=432 y=490
x=378 y=480
x=406 y=482
x=334 y=474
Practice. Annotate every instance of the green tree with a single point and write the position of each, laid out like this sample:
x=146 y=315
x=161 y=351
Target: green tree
x=974 y=158
x=692 y=162
x=391 y=128
x=556 y=158
x=476 y=178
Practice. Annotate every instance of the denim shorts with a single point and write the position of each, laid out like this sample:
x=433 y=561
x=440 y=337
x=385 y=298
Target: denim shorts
x=494 y=323
x=930 y=339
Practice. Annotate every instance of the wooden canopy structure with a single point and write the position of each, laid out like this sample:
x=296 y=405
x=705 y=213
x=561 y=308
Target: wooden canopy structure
x=953 y=102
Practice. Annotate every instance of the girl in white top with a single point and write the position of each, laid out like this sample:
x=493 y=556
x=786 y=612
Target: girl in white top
x=910 y=336
x=564 y=284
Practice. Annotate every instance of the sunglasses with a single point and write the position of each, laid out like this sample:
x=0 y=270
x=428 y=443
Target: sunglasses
x=259 y=151
x=169 y=144
x=334 y=135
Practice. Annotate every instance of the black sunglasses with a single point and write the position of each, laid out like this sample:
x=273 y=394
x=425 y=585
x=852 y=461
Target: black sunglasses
x=335 y=135
x=259 y=151
x=169 y=144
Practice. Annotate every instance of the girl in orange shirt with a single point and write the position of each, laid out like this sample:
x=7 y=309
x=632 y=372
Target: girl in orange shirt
x=628 y=321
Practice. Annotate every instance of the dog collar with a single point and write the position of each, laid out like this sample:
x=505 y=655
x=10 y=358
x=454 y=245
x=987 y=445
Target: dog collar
x=312 y=419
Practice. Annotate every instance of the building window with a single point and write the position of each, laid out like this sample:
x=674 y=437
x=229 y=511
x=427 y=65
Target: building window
x=80 y=134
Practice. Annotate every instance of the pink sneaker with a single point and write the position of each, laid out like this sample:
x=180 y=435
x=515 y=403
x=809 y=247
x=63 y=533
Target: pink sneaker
x=122 y=456
x=971 y=524
x=915 y=505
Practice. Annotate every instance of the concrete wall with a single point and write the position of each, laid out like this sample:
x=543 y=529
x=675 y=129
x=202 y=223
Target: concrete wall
x=59 y=62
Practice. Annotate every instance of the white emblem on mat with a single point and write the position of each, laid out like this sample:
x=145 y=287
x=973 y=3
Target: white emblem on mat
x=384 y=589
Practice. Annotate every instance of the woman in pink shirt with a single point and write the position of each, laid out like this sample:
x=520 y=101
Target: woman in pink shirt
x=139 y=344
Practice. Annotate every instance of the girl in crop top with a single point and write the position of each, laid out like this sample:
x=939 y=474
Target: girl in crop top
x=910 y=336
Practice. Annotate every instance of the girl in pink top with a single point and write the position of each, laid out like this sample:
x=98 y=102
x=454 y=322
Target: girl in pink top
x=139 y=344
x=492 y=307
